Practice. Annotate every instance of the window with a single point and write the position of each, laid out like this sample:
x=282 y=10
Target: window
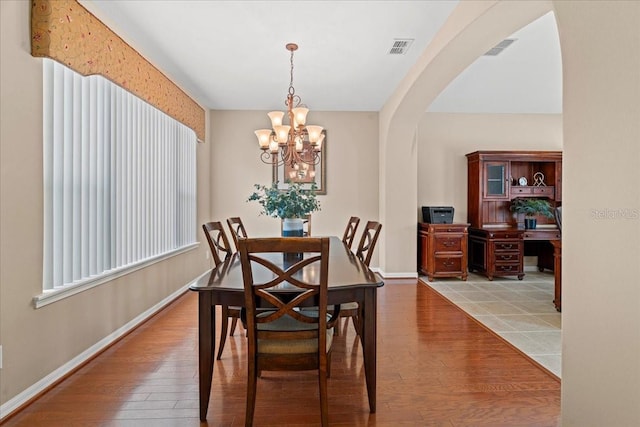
x=119 y=181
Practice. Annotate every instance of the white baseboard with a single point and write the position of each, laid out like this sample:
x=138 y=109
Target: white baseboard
x=410 y=275
x=20 y=399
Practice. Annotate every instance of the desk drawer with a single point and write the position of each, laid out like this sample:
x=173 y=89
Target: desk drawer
x=541 y=234
x=507 y=257
x=521 y=191
x=448 y=243
x=513 y=235
x=546 y=191
x=507 y=268
x=506 y=246
x=448 y=264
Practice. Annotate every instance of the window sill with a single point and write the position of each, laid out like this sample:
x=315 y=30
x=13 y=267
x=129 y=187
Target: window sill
x=53 y=295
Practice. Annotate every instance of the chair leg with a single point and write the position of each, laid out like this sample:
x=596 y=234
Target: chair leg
x=234 y=322
x=223 y=331
x=356 y=324
x=251 y=393
x=324 y=406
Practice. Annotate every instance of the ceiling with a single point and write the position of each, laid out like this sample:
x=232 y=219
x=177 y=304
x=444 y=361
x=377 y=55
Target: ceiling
x=230 y=55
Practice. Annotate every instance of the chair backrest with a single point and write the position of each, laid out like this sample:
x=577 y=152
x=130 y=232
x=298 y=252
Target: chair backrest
x=218 y=242
x=264 y=288
x=237 y=229
x=558 y=213
x=306 y=225
x=350 y=231
x=368 y=241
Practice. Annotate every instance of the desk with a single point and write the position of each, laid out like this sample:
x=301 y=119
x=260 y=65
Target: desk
x=349 y=280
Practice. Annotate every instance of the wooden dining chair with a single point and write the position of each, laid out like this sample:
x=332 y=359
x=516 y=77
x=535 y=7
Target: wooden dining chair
x=286 y=338
x=364 y=253
x=220 y=252
x=237 y=229
x=350 y=231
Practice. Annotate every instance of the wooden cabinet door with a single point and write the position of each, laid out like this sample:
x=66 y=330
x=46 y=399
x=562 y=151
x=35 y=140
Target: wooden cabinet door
x=495 y=180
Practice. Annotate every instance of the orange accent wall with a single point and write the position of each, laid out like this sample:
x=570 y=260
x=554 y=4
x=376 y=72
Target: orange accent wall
x=65 y=31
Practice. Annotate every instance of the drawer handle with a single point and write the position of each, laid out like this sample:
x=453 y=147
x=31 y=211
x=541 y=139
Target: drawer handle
x=507 y=268
x=505 y=257
x=448 y=263
x=449 y=243
x=507 y=246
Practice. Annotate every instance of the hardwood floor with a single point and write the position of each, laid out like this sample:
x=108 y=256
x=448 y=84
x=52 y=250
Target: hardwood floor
x=436 y=367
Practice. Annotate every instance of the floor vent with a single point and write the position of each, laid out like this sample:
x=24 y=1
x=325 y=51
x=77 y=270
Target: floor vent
x=400 y=46
x=497 y=49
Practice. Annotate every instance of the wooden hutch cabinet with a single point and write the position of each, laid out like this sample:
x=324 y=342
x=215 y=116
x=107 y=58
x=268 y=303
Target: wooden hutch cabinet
x=497 y=238
x=442 y=250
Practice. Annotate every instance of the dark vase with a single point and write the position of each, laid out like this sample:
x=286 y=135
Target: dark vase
x=529 y=223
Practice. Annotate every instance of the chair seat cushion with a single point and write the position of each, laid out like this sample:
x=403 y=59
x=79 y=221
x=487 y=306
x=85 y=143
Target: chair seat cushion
x=288 y=323
x=349 y=306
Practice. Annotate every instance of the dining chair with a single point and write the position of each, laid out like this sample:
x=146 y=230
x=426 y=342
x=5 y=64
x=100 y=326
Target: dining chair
x=350 y=231
x=286 y=338
x=220 y=252
x=237 y=229
x=306 y=225
x=364 y=253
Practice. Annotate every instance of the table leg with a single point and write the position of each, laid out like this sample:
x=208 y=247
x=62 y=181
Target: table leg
x=206 y=348
x=369 y=318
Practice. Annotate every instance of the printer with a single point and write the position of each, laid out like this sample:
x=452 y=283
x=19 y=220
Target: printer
x=437 y=214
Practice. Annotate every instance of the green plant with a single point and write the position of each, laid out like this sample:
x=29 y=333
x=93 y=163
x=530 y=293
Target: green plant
x=294 y=202
x=531 y=207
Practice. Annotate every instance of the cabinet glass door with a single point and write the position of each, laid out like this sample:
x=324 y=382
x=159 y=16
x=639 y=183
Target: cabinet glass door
x=495 y=180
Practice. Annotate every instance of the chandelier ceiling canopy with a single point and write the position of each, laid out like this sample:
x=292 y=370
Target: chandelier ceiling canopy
x=297 y=143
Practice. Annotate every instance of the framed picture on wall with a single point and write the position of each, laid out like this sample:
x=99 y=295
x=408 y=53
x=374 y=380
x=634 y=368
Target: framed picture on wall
x=304 y=173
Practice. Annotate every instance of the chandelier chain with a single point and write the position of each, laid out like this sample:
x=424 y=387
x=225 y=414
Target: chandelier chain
x=292 y=91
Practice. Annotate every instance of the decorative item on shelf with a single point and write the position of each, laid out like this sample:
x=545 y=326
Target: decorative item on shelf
x=531 y=207
x=538 y=179
x=291 y=205
x=292 y=145
x=522 y=181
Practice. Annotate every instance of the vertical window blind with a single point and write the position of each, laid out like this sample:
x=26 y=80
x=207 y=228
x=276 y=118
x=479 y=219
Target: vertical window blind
x=119 y=180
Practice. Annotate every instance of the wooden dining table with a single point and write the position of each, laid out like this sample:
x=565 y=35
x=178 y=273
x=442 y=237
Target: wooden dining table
x=349 y=281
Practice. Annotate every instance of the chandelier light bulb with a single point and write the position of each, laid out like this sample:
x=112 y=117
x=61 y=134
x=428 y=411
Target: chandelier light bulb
x=300 y=115
x=276 y=118
x=264 y=138
x=314 y=133
x=273 y=146
x=282 y=133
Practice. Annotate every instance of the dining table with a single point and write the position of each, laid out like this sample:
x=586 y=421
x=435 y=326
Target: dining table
x=350 y=280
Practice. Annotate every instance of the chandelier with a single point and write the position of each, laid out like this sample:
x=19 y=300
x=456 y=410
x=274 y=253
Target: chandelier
x=297 y=144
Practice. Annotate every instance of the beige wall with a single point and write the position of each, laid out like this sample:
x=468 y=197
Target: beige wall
x=601 y=119
x=600 y=43
x=444 y=139
x=37 y=342
x=351 y=168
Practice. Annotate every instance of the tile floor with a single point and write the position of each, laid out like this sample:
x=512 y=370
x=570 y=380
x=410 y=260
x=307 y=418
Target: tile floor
x=522 y=312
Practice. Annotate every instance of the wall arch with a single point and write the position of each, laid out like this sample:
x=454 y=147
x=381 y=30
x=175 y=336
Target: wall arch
x=471 y=30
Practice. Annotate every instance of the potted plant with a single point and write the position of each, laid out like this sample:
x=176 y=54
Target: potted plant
x=291 y=205
x=531 y=207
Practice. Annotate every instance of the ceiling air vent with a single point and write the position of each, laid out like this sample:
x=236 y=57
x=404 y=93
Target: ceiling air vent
x=400 y=46
x=497 y=49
